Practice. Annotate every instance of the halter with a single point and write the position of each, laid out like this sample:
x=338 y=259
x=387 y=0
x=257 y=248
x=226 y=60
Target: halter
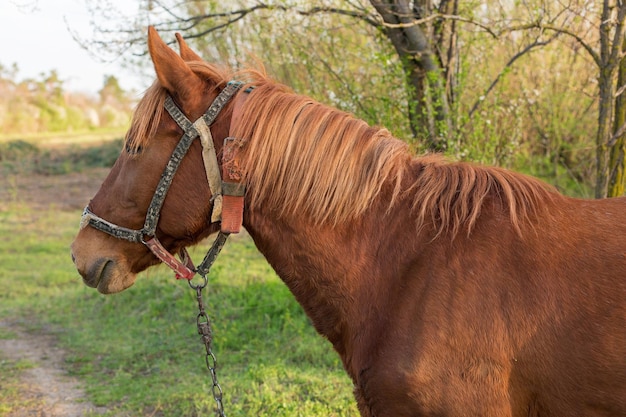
x=227 y=196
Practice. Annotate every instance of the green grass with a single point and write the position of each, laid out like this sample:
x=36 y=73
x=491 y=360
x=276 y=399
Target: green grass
x=54 y=139
x=138 y=352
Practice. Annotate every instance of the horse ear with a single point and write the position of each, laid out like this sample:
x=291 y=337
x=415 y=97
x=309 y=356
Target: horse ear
x=171 y=70
x=185 y=51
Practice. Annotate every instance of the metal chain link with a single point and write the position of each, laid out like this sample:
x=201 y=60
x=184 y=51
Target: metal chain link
x=204 y=329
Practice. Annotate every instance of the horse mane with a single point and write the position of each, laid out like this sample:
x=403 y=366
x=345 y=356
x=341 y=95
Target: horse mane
x=300 y=156
x=453 y=194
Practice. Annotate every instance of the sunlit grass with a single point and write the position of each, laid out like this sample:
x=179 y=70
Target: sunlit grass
x=54 y=139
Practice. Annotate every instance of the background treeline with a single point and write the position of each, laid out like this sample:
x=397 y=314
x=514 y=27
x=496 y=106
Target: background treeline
x=31 y=106
x=512 y=83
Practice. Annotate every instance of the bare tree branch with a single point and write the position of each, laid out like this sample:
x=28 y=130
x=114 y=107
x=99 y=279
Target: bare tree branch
x=536 y=44
x=616 y=49
x=436 y=16
x=236 y=15
x=559 y=29
x=613 y=140
x=346 y=85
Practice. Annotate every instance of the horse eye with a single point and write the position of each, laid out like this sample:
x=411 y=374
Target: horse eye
x=133 y=150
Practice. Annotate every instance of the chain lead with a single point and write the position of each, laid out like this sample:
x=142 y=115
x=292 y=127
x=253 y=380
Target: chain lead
x=204 y=329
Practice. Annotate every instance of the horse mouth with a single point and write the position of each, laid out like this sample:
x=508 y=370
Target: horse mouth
x=105 y=275
x=94 y=275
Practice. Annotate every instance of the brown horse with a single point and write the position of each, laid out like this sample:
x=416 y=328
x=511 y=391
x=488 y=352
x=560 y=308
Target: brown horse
x=447 y=289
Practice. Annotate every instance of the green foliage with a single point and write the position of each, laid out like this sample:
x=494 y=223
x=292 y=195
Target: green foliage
x=111 y=90
x=335 y=59
x=541 y=106
x=138 y=352
x=20 y=156
x=16 y=150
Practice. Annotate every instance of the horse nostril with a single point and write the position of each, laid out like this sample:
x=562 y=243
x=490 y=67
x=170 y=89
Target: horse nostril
x=73 y=258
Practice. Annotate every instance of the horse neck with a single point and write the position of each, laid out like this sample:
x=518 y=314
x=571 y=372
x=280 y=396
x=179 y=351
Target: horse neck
x=341 y=275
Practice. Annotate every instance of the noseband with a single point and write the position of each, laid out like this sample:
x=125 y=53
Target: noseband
x=231 y=191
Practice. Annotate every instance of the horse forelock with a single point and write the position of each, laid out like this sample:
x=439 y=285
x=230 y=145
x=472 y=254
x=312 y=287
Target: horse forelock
x=150 y=108
x=145 y=119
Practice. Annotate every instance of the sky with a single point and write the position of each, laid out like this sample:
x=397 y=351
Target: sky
x=35 y=36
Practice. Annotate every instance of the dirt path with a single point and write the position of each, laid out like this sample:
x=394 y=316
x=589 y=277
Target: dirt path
x=46 y=389
x=64 y=192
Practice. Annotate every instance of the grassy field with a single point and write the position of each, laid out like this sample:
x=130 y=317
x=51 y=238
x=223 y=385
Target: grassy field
x=55 y=139
x=138 y=352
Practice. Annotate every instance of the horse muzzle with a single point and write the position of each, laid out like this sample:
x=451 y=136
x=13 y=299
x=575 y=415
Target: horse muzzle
x=108 y=275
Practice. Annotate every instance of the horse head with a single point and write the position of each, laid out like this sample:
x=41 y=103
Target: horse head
x=109 y=263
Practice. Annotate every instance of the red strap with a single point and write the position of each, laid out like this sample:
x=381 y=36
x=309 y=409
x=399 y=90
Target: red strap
x=185 y=271
x=232 y=214
x=232 y=200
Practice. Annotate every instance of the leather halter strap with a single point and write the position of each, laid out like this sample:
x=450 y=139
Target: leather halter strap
x=147 y=234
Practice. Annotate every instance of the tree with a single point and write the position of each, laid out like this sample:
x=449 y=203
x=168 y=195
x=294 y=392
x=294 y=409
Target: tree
x=617 y=143
x=609 y=58
x=428 y=103
x=111 y=91
x=610 y=137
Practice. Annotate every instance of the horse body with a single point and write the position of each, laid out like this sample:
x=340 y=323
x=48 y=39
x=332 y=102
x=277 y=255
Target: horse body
x=446 y=289
x=501 y=324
